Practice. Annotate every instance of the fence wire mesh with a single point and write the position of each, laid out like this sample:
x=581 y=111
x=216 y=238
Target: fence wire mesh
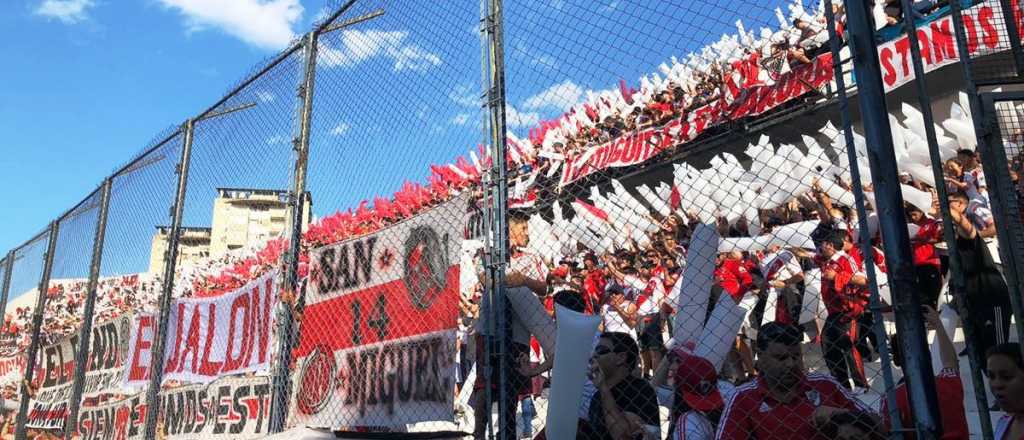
x=686 y=234
x=62 y=317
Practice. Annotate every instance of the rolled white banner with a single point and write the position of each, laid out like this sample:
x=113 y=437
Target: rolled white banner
x=695 y=284
x=950 y=320
x=812 y=296
x=570 y=370
x=533 y=315
x=720 y=333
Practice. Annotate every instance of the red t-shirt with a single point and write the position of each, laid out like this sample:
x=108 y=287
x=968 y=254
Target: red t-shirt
x=924 y=251
x=841 y=297
x=734 y=277
x=752 y=413
x=594 y=285
x=878 y=254
x=951 y=406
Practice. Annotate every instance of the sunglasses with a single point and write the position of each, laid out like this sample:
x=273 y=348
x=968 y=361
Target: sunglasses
x=601 y=351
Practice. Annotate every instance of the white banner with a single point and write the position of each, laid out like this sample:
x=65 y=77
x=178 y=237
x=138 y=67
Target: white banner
x=210 y=337
x=986 y=34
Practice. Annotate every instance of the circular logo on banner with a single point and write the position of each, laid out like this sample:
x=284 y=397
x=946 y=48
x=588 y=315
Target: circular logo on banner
x=316 y=381
x=426 y=266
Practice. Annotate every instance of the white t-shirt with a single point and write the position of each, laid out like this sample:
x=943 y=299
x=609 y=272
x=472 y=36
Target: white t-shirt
x=530 y=265
x=976 y=186
x=649 y=306
x=613 y=322
x=693 y=425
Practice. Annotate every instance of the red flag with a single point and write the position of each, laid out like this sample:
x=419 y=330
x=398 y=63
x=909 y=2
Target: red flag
x=626 y=92
x=675 y=199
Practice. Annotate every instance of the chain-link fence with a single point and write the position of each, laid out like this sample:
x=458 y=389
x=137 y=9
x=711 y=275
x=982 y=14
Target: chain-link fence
x=556 y=220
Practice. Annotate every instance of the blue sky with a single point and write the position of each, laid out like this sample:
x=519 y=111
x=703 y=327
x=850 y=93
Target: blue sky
x=89 y=82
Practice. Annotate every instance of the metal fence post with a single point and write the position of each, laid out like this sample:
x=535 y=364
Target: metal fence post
x=865 y=244
x=70 y=425
x=8 y=268
x=157 y=355
x=297 y=204
x=892 y=221
x=37 y=324
x=498 y=190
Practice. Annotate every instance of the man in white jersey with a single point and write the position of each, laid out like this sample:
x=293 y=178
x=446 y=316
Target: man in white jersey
x=524 y=280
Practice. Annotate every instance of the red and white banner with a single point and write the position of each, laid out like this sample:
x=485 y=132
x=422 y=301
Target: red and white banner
x=210 y=337
x=377 y=345
x=12 y=368
x=986 y=34
x=232 y=407
x=104 y=371
x=638 y=147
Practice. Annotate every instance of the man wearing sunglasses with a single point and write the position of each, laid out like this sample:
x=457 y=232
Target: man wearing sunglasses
x=625 y=406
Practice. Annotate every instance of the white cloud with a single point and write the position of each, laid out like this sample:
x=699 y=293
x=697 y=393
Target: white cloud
x=558 y=97
x=460 y=119
x=516 y=119
x=359 y=46
x=340 y=129
x=66 y=11
x=265 y=96
x=465 y=96
x=276 y=140
x=263 y=23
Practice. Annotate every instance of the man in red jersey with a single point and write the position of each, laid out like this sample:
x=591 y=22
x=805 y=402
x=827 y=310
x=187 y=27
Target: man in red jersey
x=733 y=275
x=947 y=385
x=784 y=402
x=845 y=296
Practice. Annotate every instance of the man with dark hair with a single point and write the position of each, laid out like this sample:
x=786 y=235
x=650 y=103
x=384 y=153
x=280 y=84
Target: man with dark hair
x=625 y=406
x=784 y=402
x=525 y=280
x=845 y=297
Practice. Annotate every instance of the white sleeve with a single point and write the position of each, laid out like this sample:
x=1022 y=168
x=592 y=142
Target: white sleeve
x=693 y=426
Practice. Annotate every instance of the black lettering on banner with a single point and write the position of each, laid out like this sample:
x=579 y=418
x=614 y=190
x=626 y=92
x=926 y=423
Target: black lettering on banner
x=221 y=409
x=190 y=411
x=328 y=280
x=240 y=409
x=380 y=320
x=174 y=412
x=364 y=259
x=136 y=418
x=344 y=267
x=262 y=392
x=357 y=322
x=204 y=410
x=405 y=375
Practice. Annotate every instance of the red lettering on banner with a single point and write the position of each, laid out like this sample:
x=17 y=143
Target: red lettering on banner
x=990 y=36
x=942 y=41
x=239 y=304
x=207 y=367
x=264 y=318
x=903 y=50
x=923 y=44
x=191 y=341
x=972 y=34
x=139 y=372
x=1017 y=13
